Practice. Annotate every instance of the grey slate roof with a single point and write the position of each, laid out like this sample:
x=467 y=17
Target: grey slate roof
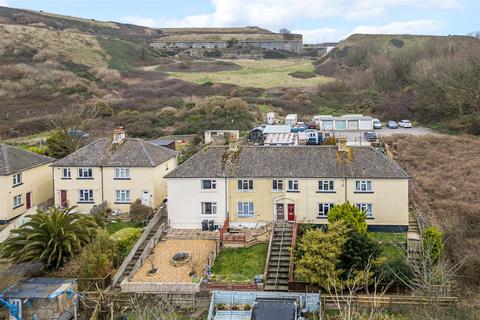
x=162 y=142
x=131 y=153
x=14 y=160
x=287 y=162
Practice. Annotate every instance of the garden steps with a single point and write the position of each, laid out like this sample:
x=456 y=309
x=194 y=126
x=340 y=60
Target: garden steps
x=280 y=255
x=138 y=253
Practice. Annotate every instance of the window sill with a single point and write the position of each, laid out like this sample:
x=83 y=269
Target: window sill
x=277 y=190
x=322 y=217
x=320 y=191
x=19 y=206
x=122 y=178
x=86 y=202
x=17 y=185
x=84 y=178
x=370 y=218
x=66 y=178
x=245 y=190
x=246 y=216
x=121 y=202
x=208 y=214
x=294 y=191
x=363 y=192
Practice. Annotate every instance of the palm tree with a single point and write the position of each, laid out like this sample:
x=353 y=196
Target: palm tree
x=50 y=237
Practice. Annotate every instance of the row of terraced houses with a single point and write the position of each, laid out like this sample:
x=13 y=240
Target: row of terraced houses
x=248 y=185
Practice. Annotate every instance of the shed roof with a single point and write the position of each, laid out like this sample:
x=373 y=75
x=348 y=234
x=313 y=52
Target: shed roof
x=40 y=288
x=288 y=162
x=274 y=309
x=14 y=160
x=278 y=128
x=130 y=153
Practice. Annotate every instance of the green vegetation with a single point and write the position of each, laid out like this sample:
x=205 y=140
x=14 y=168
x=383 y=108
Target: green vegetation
x=113 y=227
x=351 y=215
x=303 y=74
x=240 y=264
x=125 y=239
x=258 y=73
x=50 y=237
x=433 y=244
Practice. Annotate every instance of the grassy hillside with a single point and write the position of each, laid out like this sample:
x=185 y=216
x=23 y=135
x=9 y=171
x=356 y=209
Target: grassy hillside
x=444 y=188
x=258 y=73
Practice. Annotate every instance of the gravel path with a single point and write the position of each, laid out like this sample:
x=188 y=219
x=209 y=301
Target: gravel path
x=165 y=249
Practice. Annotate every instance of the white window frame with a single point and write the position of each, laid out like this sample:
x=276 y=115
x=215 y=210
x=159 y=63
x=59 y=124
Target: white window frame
x=123 y=196
x=17 y=201
x=277 y=185
x=122 y=173
x=326 y=186
x=213 y=208
x=213 y=184
x=245 y=209
x=81 y=173
x=85 y=196
x=17 y=179
x=293 y=185
x=367 y=208
x=66 y=173
x=322 y=206
x=245 y=184
x=363 y=186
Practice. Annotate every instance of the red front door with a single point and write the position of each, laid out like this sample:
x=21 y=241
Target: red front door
x=28 y=200
x=63 y=198
x=291 y=212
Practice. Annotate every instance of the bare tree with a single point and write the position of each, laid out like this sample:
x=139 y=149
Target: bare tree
x=345 y=293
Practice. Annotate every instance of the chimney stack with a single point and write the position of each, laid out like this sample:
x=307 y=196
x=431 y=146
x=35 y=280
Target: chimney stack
x=118 y=135
x=232 y=142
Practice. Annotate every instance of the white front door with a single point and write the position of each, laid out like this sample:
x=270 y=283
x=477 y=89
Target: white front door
x=146 y=198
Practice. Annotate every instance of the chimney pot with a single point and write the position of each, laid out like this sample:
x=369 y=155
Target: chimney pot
x=118 y=135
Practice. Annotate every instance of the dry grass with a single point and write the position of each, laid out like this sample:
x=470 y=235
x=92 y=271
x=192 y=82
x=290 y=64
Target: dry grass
x=74 y=46
x=258 y=73
x=445 y=185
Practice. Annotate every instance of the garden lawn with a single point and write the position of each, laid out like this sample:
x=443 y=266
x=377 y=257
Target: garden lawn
x=240 y=264
x=393 y=244
x=266 y=73
x=113 y=227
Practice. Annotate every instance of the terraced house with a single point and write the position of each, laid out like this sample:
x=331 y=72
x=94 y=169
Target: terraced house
x=253 y=185
x=25 y=181
x=115 y=172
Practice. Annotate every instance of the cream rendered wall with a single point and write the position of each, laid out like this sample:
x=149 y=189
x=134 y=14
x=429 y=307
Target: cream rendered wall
x=37 y=180
x=184 y=202
x=389 y=200
x=141 y=179
x=74 y=184
x=161 y=182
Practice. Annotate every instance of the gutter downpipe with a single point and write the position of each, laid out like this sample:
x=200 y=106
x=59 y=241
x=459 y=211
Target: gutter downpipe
x=101 y=181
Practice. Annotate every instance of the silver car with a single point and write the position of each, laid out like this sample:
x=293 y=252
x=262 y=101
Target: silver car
x=405 y=124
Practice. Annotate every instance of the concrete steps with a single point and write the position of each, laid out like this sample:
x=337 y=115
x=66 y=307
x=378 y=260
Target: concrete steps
x=280 y=255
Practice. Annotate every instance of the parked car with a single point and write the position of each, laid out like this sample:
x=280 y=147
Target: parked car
x=370 y=136
x=377 y=124
x=405 y=124
x=392 y=125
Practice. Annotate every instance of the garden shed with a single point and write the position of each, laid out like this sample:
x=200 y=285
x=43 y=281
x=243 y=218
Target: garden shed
x=41 y=298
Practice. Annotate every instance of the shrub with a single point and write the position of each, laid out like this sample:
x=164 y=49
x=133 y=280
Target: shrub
x=213 y=54
x=125 y=240
x=101 y=109
x=139 y=212
x=97 y=259
x=432 y=240
x=397 y=42
x=271 y=54
x=330 y=141
x=303 y=74
x=350 y=214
